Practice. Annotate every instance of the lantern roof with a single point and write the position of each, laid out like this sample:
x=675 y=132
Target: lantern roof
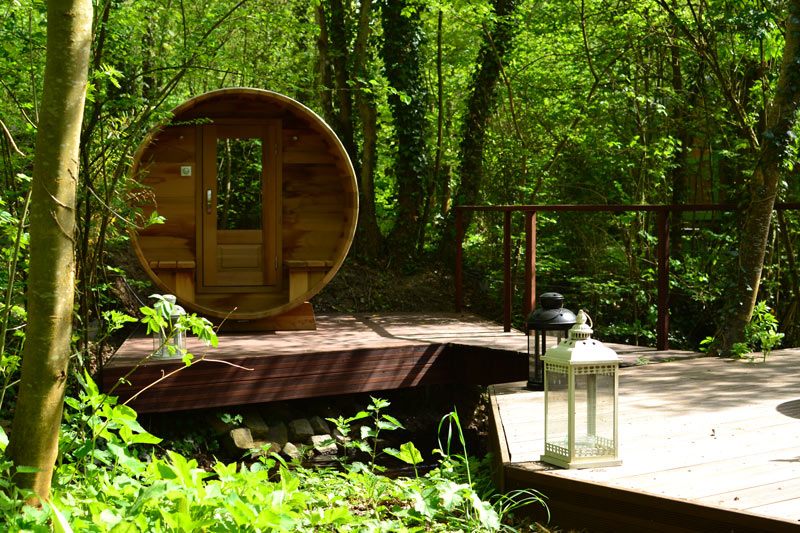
x=580 y=347
x=552 y=315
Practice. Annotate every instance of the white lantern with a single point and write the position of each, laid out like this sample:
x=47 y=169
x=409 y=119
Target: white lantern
x=169 y=342
x=580 y=401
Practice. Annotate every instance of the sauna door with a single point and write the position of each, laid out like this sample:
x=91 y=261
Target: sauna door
x=240 y=206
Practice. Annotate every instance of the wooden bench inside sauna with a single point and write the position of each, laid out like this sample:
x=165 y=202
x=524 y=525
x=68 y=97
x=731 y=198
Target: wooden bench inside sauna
x=260 y=205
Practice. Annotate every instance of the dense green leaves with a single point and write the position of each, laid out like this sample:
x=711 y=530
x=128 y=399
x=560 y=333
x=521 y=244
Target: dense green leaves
x=122 y=484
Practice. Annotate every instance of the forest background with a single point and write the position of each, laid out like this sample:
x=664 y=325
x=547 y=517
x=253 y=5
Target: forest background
x=457 y=103
x=438 y=105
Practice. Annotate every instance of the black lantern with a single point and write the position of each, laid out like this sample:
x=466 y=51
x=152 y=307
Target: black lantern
x=551 y=317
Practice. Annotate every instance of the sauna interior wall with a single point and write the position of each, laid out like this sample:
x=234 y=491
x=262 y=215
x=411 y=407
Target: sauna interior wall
x=316 y=203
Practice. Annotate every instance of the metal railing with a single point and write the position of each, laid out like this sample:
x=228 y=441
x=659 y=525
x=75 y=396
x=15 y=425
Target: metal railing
x=663 y=226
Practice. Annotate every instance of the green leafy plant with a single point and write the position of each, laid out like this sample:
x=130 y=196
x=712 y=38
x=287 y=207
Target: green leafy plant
x=762 y=331
x=228 y=418
x=408 y=453
x=761 y=334
x=161 y=318
x=380 y=422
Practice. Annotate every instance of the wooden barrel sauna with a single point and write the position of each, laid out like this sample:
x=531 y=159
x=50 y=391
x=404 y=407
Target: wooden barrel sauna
x=260 y=205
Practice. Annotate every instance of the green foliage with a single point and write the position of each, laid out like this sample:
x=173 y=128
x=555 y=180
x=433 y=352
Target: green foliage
x=344 y=427
x=761 y=334
x=228 y=418
x=164 y=317
x=109 y=478
x=762 y=331
x=408 y=453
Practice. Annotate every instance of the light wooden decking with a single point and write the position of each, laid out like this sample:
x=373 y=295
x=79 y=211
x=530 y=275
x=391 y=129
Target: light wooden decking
x=705 y=436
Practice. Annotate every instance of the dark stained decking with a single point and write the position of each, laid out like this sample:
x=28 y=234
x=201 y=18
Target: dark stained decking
x=706 y=444
x=346 y=354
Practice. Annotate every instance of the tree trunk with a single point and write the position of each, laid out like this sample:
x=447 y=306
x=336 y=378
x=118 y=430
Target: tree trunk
x=480 y=106
x=433 y=185
x=402 y=56
x=37 y=418
x=369 y=238
x=345 y=69
x=340 y=49
x=680 y=159
x=324 y=64
x=776 y=146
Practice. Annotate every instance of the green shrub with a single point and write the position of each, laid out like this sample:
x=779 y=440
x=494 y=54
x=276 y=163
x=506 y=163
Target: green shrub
x=110 y=478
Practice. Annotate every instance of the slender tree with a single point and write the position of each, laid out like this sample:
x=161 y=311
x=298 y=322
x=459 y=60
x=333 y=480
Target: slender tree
x=402 y=53
x=777 y=144
x=369 y=234
x=51 y=283
x=342 y=57
x=480 y=106
x=770 y=149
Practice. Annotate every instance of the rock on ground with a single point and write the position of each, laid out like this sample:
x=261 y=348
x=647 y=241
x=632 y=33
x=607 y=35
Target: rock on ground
x=323 y=445
x=319 y=426
x=300 y=430
x=255 y=423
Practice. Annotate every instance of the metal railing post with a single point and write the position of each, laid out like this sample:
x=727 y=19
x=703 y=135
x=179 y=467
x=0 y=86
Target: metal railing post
x=459 y=258
x=508 y=286
x=530 y=262
x=662 y=322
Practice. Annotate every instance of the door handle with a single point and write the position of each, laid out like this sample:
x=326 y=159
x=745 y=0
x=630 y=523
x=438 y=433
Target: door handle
x=208 y=201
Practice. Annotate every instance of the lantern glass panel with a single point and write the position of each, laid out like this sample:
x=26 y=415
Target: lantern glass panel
x=594 y=412
x=557 y=429
x=166 y=346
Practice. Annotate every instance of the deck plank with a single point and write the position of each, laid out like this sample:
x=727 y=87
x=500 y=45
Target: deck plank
x=718 y=433
x=755 y=496
x=346 y=354
x=784 y=509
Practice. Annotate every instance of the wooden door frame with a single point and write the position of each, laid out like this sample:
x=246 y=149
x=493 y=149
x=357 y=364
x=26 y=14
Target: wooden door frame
x=269 y=131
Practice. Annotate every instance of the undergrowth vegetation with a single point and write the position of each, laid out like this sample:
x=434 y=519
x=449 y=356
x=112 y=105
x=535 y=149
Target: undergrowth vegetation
x=112 y=476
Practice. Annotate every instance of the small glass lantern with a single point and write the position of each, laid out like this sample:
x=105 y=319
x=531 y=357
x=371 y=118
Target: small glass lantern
x=580 y=401
x=552 y=317
x=169 y=342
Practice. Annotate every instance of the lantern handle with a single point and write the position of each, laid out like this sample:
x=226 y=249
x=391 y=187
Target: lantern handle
x=591 y=322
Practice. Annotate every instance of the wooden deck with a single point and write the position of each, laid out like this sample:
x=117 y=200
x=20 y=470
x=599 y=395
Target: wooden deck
x=346 y=354
x=706 y=444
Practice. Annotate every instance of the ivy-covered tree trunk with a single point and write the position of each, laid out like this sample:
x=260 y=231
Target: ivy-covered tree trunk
x=339 y=33
x=342 y=70
x=777 y=142
x=480 y=106
x=679 y=116
x=402 y=44
x=368 y=236
x=51 y=282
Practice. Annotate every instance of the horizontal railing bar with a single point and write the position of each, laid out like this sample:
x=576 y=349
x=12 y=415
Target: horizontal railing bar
x=663 y=225
x=620 y=207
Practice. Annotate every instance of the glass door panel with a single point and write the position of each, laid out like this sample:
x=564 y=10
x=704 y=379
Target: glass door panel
x=240 y=206
x=239 y=184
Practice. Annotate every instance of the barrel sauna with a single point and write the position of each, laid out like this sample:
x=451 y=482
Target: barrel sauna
x=260 y=205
